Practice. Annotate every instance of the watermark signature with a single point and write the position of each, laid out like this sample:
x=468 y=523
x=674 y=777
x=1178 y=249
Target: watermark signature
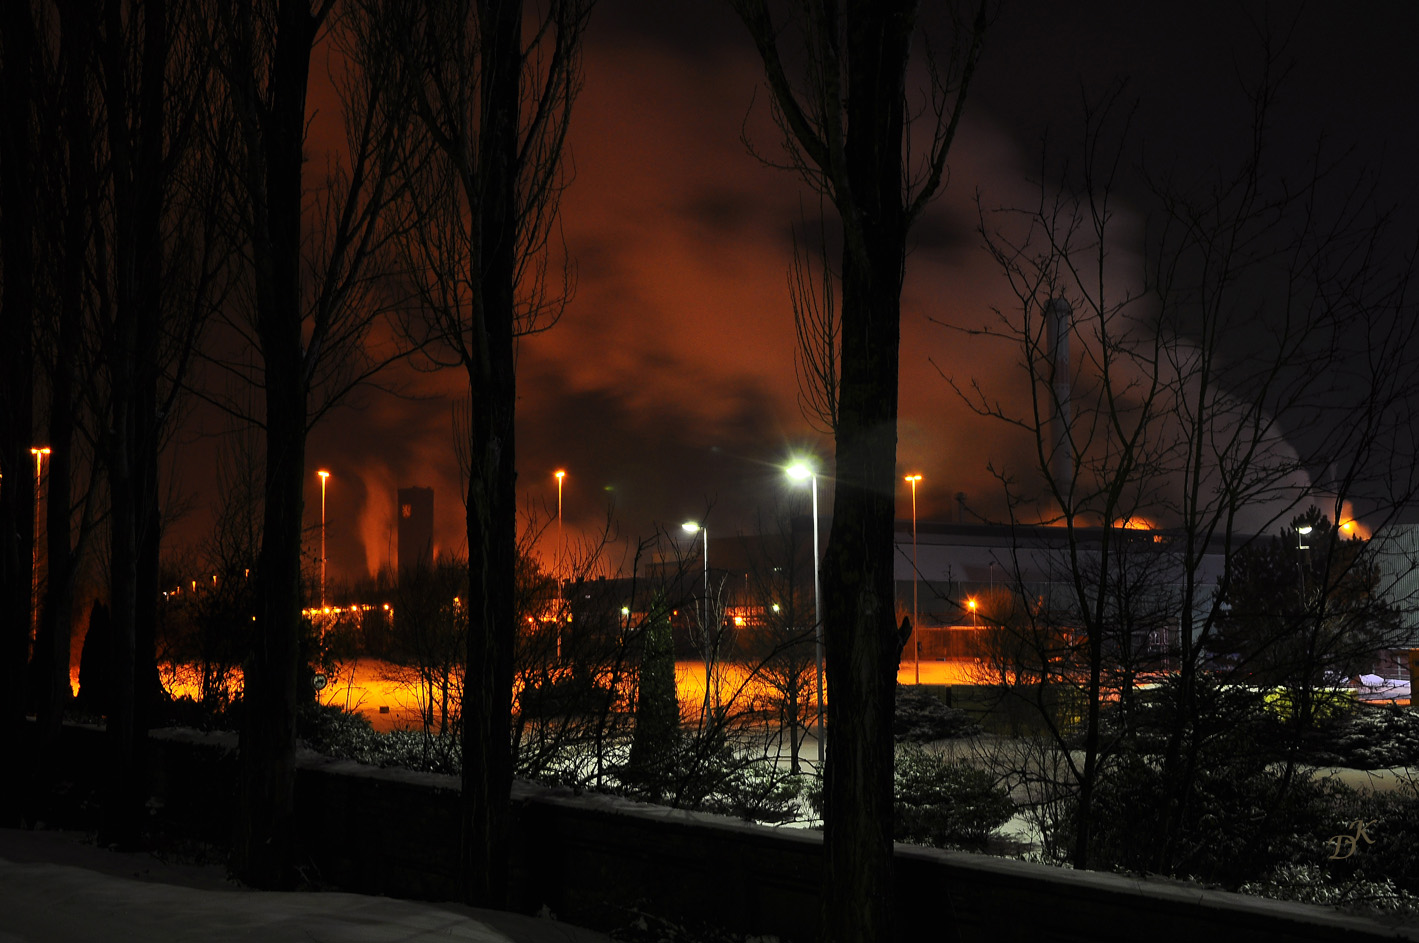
x=1347 y=845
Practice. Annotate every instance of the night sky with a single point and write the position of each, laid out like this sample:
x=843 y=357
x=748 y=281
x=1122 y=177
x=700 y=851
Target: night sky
x=668 y=387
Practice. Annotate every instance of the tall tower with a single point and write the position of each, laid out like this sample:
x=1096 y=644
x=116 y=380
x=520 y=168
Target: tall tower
x=416 y=527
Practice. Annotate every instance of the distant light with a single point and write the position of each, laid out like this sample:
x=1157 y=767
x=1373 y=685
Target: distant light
x=690 y=527
x=625 y=610
x=912 y=478
x=559 y=474
x=323 y=473
x=1303 y=529
x=972 y=604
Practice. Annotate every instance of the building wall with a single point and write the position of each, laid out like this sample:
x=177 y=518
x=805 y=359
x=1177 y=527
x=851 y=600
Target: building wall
x=415 y=513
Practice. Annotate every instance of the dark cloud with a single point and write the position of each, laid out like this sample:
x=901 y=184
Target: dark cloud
x=669 y=386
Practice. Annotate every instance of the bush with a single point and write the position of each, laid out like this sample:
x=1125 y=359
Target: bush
x=1326 y=703
x=942 y=802
x=921 y=717
x=329 y=729
x=758 y=792
x=1312 y=884
x=1375 y=738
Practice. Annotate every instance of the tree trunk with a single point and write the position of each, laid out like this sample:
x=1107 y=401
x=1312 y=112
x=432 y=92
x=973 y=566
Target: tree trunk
x=861 y=637
x=264 y=851
x=17 y=215
x=135 y=100
x=492 y=495
x=264 y=854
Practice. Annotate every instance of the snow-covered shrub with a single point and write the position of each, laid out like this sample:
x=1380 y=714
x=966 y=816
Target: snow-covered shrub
x=941 y=801
x=922 y=717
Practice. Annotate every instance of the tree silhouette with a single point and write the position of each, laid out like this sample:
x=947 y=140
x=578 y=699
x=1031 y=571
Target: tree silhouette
x=845 y=122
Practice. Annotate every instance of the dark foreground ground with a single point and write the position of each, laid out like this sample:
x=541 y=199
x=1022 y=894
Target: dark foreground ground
x=57 y=887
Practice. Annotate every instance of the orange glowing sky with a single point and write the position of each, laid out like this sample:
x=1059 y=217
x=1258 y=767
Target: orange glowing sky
x=669 y=384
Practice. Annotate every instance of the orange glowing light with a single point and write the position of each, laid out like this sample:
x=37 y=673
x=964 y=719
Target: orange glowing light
x=912 y=478
x=972 y=604
x=559 y=474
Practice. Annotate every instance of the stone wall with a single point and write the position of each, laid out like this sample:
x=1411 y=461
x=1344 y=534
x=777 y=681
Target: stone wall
x=604 y=862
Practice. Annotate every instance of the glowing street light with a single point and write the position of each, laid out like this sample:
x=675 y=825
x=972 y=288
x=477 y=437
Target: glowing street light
x=39 y=453
x=692 y=527
x=324 y=476
x=971 y=605
x=801 y=471
x=916 y=616
x=1301 y=544
x=560 y=474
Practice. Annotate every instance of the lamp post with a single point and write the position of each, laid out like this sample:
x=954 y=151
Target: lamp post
x=39 y=453
x=1301 y=544
x=971 y=605
x=324 y=477
x=800 y=471
x=691 y=527
x=916 y=616
x=560 y=474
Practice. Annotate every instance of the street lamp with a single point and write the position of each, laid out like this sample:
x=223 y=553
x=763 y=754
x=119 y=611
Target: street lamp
x=39 y=453
x=916 y=616
x=800 y=471
x=1301 y=544
x=324 y=476
x=560 y=474
x=971 y=605
x=691 y=527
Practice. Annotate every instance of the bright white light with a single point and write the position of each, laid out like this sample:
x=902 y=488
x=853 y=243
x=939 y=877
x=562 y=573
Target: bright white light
x=799 y=471
x=690 y=527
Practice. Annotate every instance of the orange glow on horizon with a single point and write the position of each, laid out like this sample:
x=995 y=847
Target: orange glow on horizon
x=1349 y=526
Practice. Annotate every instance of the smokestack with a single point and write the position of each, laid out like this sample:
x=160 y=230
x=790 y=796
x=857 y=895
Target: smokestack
x=1057 y=316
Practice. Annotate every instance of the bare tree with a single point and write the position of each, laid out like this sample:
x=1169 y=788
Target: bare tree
x=308 y=252
x=157 y=258
x=845 y=124
x=430 y=635
x=1257 y=359
x=780 y=591
x=494 y=86
x=18 y=46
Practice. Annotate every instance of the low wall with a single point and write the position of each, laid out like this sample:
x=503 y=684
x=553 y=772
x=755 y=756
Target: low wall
x=600 y=861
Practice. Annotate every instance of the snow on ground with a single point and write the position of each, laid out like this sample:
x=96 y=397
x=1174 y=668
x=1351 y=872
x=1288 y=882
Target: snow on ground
x=57 y=888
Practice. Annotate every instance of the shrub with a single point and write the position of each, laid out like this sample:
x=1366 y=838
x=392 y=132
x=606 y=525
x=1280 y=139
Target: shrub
x=941 y=801
x=1375 y=738
x=922 y=716
x=1312 y=884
